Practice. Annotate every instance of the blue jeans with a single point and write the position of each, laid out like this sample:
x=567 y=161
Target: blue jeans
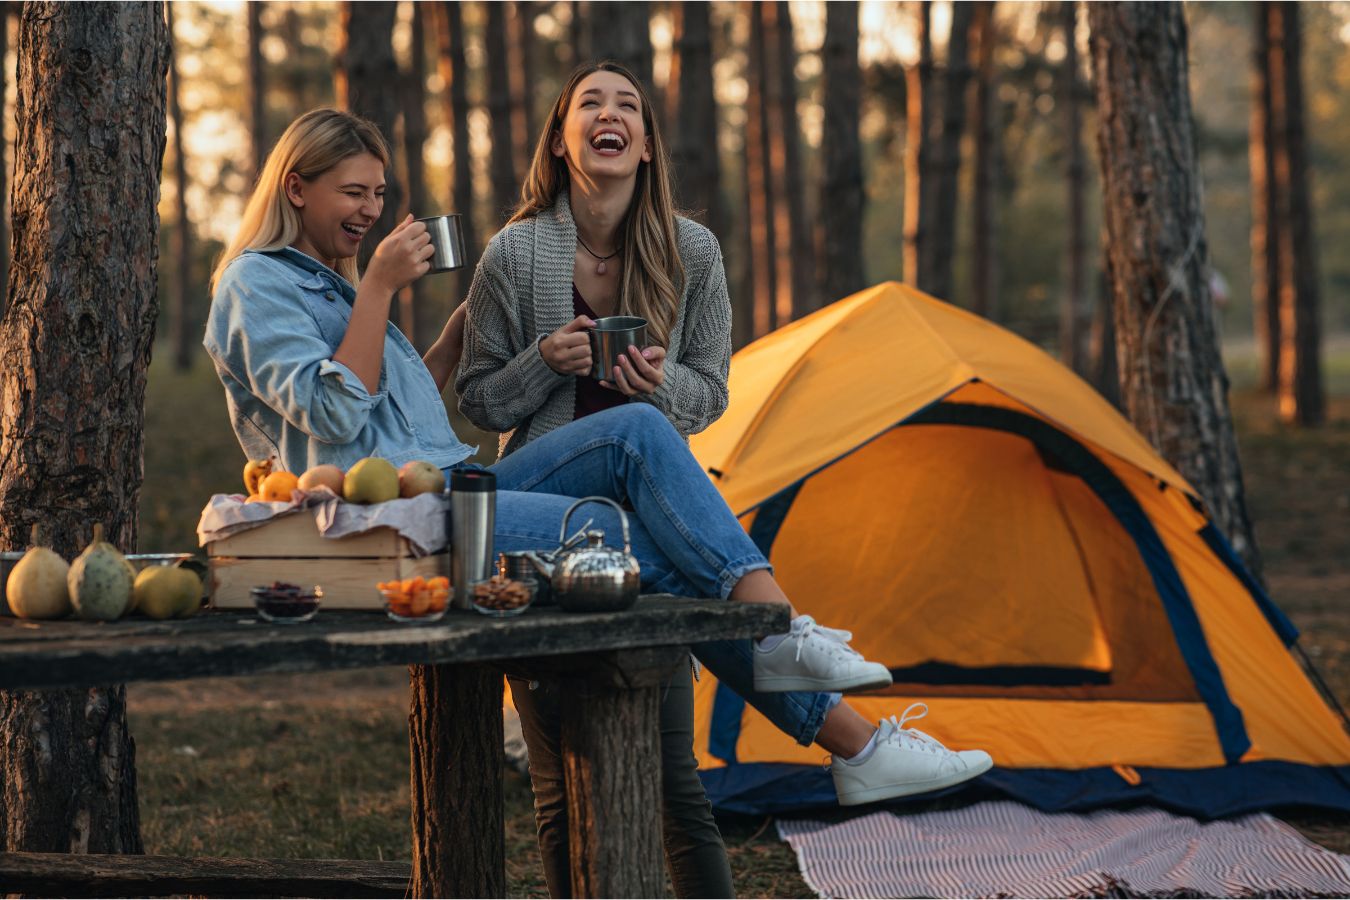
x=685 y=538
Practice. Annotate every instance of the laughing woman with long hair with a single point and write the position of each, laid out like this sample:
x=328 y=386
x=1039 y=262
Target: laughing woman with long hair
x=596 y=234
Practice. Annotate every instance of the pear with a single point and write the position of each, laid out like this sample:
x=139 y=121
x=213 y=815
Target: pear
x=100 y=580
x=371 y=480
x=36 y=588
x=163 y=592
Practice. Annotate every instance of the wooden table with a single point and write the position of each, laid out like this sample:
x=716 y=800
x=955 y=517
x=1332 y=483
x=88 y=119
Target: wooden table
x=614 y=661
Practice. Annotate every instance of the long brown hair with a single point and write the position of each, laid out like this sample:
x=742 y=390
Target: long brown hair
x=311 y=145
x=653 y=275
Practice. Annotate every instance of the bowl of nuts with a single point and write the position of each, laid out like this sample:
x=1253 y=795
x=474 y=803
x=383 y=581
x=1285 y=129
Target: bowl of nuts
x=286 y=604
x=415 y=600
x=500 y=597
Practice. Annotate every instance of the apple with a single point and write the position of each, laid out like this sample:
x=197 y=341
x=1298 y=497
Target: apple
x=418 y=477
x=325 y=475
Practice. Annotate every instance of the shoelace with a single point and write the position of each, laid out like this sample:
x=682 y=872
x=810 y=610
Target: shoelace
x=894 y=731
x=837 y=637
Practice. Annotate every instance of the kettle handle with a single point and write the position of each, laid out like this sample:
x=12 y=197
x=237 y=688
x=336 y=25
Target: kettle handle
x=623 y=519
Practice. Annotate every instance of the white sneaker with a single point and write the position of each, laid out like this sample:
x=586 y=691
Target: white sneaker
x=814 y=658
x=904 y=761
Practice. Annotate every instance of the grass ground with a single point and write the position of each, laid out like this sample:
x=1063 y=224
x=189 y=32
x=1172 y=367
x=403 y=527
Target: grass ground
x=316 y=766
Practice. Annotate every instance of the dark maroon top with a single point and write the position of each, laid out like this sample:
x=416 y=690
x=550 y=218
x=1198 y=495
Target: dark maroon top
x=591 y=397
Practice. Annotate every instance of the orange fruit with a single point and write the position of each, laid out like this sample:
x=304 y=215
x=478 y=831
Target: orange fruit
x=278 y=487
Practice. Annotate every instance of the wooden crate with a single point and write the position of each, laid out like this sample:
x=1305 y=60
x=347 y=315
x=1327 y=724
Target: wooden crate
x=290 y=549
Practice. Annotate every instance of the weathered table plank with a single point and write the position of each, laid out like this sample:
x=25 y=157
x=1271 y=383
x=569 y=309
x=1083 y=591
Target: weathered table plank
x=37 y=655
x=105 y=875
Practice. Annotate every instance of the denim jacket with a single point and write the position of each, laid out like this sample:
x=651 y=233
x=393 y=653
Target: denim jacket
x=276 y=319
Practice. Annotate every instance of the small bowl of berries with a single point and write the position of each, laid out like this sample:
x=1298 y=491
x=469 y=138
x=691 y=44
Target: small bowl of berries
x=415 y=600
x=286 y=604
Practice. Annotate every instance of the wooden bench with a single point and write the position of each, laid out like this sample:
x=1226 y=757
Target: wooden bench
x=613 y=661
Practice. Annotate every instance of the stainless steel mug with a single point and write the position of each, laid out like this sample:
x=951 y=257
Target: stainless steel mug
x=473 y=514
x=447 y=239
x=610 y=339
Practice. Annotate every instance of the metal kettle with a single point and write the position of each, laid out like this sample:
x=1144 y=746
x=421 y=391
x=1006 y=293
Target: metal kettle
x=595 y=578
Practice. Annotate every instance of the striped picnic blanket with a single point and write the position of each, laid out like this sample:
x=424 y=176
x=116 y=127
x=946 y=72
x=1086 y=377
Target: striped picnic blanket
x=1005 y=849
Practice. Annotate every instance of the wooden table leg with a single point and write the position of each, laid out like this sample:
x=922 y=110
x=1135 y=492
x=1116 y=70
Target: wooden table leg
x=612 y=755
x=455 y=733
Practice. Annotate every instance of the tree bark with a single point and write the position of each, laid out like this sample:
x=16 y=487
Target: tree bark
x=180 y=312
x=1075 y=310
x=450 y=59
x=455 y=737
x=984 y=283
x=1265 y=237
x=947 y=153
x=257 y=119
x=423 y=311
x=1173 y=385
x=505 y=184
x=521 y=37
x=621 y=33
x=918 y=112
x=842 y=198
x=1301 y=398
x=4 y=162
x=694 y=150
x=801 y=264
x=757 y=179
x=368 y=84
x=74 y=349
x=780 y=184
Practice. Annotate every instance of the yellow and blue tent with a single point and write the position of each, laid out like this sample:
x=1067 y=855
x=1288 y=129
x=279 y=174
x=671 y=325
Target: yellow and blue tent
x=1026 y=564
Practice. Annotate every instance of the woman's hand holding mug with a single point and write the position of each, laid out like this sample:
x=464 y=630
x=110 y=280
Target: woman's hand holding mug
x=402 y=257
x=567 y=351
x=639 y=372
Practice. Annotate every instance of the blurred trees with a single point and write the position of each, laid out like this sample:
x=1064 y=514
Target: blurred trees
x=180 y=318
x=842 y=193
x=75 y=345
x=1173 y=384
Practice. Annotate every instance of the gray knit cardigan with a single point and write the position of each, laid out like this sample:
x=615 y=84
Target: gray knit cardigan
x=522 y=291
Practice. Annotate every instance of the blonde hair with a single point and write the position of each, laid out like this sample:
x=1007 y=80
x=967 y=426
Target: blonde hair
x=311 y=145
x=653 y=274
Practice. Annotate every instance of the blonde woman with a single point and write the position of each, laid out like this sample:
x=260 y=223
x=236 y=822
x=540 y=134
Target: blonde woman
x=596 y=234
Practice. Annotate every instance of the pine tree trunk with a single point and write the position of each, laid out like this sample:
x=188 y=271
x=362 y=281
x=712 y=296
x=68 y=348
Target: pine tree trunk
x=74 y=349
x=505 y=185
x=694 y=148
x=520 y=35
x=946 y=161
x=842 y=197
x=1075 y=311
x=180 y=311
x=984 y=284
x=621 y=33
x=1173 y=385
x=758 y=180
x=453 y=70
x=580 y=34
x=918 y=113
x=780 y=186
x=1265 y=238
x=1301 y=397
x=368 y=84
x=257 y=119
x=800 y=252
x=424 y=309
x=4 y=163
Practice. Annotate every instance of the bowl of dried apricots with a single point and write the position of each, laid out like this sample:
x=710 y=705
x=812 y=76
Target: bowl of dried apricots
x=415 y=599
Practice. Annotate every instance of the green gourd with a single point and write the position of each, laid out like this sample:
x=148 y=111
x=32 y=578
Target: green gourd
x=100 y=580
x=36 y=588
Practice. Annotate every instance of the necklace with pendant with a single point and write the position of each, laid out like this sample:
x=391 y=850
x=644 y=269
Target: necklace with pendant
x=600 y=267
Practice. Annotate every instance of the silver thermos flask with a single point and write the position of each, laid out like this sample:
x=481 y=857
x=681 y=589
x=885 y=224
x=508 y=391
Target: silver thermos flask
x=473 y=513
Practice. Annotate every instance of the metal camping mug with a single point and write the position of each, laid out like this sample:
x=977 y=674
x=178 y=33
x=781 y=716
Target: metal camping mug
x=447 y=239
x=473 y=514
x=610 y=339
